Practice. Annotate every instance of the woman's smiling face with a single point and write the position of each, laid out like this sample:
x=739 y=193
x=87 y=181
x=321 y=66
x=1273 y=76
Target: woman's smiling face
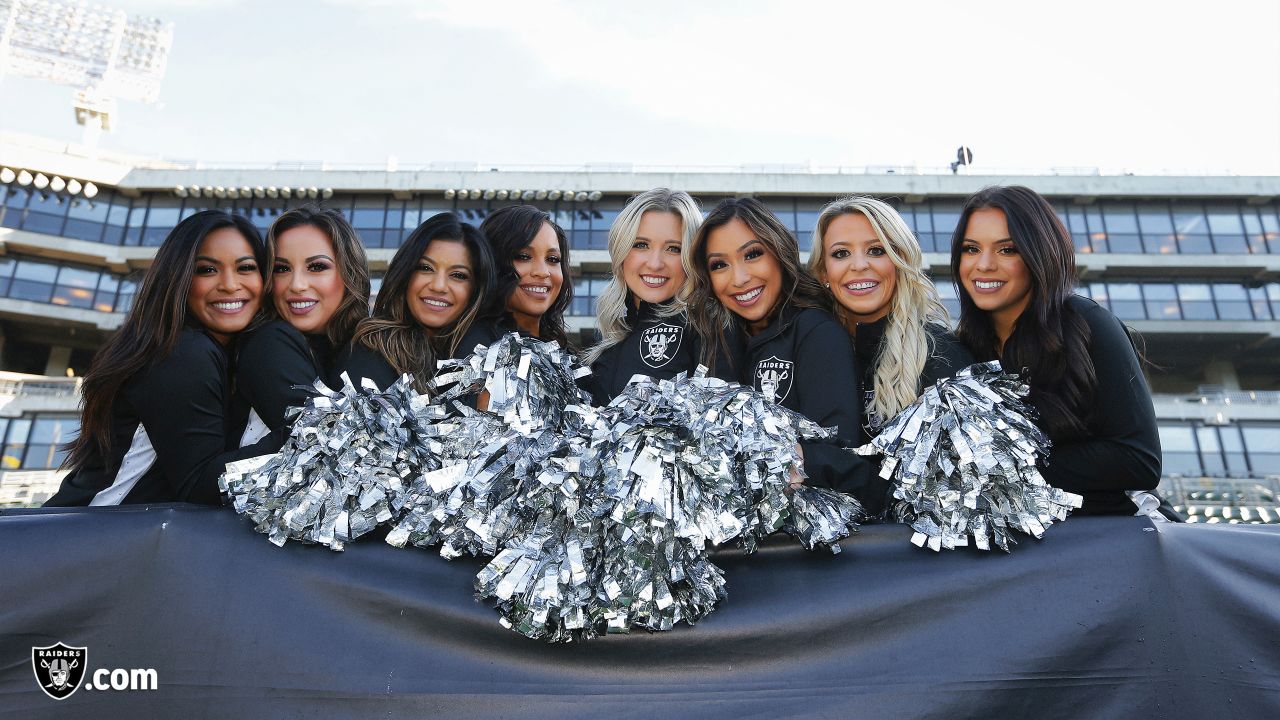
x=745 y=276
x=539 y=268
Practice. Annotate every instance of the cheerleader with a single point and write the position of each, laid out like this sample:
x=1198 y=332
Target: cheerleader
x=156 y=423
x=640 y=315
x=431 y=295
x=1015 y=267
x=871 y=265
x=532 y=285
x=748 y=278
x=319 y=293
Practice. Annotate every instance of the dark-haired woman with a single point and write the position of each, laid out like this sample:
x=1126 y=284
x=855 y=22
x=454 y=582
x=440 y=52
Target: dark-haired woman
x=643 y=331
x=748 y=277
x=432 y=292
x=1015 y=266
x=156 y=421
x=532 y=287
x=319 y=293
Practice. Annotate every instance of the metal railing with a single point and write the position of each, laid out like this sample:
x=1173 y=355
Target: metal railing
x=1224 y=500
x=14 y=384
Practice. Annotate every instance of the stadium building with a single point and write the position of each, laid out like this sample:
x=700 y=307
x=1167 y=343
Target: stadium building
x=1191 y=262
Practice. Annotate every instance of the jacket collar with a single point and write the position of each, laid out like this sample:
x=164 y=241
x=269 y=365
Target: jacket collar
x=781 y=322
x=647 y=311
x=866 y=342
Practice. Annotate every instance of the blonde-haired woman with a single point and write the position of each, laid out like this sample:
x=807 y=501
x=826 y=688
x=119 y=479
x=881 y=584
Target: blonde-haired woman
x=870 y=262
x=641 y=311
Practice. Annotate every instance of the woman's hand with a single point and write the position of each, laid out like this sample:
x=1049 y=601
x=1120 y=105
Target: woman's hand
x=797 y=478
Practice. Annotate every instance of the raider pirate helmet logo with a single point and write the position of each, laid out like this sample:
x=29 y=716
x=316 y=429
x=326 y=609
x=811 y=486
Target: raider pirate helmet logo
x=773 y=378
x=59 y=669
x=658 y=344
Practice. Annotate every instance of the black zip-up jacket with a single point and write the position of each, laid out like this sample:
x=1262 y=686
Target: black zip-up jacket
x=173 y=432
x=485 y=332
x=359 y=361
x=806 y=355
x=947 y=357
x=659 y=347
x=1121 y=451
x=275 y=368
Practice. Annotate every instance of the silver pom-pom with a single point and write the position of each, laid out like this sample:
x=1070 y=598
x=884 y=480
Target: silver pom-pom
x=344 y=470
x=962 y=460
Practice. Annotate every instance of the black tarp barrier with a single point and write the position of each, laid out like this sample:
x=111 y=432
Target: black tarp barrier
x=1107 y=617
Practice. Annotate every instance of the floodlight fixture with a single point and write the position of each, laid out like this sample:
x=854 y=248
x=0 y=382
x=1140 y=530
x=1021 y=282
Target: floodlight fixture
x=180 y=191
x=502 y=195
x=7 y=175
x=476 y=194
x=515 y=194
x=90 y=190
x=246 y=191
x=553 y=195
x=286 y=192
x=539 y=195
x=259 y=192
x=100 y=52
x=272 y=192
x=300 y=192
x=313 y=193
x=74 y=187
x=581 y=196
x=25 y=178
x=326 y=193
x=207 y=190
x=490 y=194
x=57 y=184
x=595 y=195
x=450 y=194
x=529 y=196
x=41 y=181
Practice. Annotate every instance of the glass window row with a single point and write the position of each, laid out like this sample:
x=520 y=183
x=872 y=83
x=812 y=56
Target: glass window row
x=35 y=442
x=1186 y=300
x=65 y=284
x=1245 y=449
x=1105 y=226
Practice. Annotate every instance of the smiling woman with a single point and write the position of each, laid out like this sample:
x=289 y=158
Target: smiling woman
x=432 y=293
x=532 y=283
x=1015 y=266
x=157 y=423
x=748 y=279
x=319 y=292
x=641 y=312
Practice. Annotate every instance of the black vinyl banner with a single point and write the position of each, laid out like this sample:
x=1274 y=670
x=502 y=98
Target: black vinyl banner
x=1105 y=618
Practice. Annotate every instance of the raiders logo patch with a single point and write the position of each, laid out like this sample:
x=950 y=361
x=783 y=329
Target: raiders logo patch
x=773 y=378
x=659 y=344
x=59 y=669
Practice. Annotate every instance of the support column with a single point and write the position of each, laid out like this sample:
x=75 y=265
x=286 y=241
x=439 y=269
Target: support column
x=1222 y=373
x=59 y=361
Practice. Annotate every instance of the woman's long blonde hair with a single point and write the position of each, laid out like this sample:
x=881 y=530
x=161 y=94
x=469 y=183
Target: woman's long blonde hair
x=916 y=305
x=611 y=308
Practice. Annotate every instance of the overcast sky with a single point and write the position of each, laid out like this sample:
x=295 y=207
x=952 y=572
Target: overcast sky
x=1140 y=86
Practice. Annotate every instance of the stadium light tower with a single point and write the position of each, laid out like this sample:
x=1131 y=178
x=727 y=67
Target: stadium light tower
x=101 y=52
